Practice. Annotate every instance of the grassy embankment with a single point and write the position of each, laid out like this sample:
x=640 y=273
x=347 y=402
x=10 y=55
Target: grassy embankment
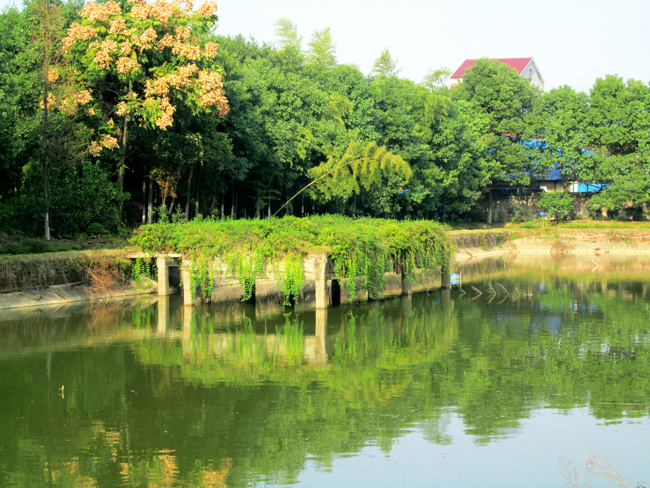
x=363 y=248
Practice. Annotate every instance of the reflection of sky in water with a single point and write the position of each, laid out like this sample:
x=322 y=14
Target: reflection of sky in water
x=537 y=446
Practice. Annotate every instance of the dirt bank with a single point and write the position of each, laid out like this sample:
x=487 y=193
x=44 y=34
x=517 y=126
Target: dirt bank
x=58 y=295
x=567 y=242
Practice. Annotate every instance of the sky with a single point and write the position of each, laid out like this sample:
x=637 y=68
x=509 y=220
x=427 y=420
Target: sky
x=573 y=42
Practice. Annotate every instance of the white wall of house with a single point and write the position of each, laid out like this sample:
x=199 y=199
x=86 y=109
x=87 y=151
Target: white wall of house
x=533 y=75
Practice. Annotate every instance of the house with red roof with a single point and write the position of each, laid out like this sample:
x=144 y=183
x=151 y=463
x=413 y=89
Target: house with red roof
x=526 y=68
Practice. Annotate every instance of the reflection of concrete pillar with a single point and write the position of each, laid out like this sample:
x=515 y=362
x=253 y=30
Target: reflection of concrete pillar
x=186 y=277
x=445 y=299
x=163 y=276
x=407 y=306
x=187 y=330
x=163 y=315
x=321 y=335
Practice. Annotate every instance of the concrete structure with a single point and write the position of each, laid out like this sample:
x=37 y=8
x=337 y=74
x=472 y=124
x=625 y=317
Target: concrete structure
x=322 y=288
x=525 y=67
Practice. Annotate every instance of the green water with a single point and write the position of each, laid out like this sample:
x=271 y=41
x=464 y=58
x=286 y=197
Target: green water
x=533 y=365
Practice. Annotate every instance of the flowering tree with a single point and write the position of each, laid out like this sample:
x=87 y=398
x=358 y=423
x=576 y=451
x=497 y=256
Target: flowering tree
x=150 y=56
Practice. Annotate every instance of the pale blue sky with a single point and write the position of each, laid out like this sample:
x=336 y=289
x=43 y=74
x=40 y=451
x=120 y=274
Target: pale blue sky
x=572 y=41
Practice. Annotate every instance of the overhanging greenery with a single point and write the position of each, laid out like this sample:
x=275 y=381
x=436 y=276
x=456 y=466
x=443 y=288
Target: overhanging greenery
x=359 y=248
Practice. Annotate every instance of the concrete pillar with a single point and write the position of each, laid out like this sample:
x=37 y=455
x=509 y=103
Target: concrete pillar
x=445 y=279
x=189 y=294
x=163 y=276
x=407 y=286
x=320 y=277
x=163 y=315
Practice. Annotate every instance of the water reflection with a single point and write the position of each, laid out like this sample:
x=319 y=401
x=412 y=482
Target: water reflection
x=155 y=394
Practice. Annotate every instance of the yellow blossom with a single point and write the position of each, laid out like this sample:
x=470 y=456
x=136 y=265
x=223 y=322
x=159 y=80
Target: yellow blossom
x=125 y=65
x=182 y=33
x=125 y=48
x=102 y=11
x=165 y=120
x=109 y=142
x=95 y=149
x=82 y=97
x=157 y=87
x=51 y=101
x=117 y=26
x=109 y=46
x=53 y=74
x=122 y=109
x=146 y=39
x=102 y=59
x=210 y=50
x=78 y=32
x=207 y=8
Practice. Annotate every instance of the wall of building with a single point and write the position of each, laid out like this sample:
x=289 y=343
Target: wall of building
x=506 y=207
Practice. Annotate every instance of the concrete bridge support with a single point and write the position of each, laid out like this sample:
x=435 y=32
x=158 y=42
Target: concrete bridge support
x=317 y=267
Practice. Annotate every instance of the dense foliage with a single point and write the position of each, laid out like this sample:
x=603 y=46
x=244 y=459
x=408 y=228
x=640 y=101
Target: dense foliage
x=114 y=114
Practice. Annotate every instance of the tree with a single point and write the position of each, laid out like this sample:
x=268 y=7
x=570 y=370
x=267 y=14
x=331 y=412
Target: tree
x=498 y=92
x=362 y=166
x=141 y=62
x=619 y=123
x=559 y=125
x=385 y=65
x=437 y=79
x=456 y=173
x=322 y=52
x=287 y=31
x=557 y=204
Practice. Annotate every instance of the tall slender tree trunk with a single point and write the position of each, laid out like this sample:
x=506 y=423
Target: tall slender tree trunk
x=232 y=206
x=189 y=193
x=144 y=196
x=44 y=139
x=197 y=205
x=120 y=172
x=150 y=200
x=489 y=213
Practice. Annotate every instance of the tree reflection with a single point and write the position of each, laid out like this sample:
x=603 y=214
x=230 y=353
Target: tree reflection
x=224 y=397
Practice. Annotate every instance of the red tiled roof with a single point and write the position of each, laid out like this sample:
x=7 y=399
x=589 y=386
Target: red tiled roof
x=517 y=63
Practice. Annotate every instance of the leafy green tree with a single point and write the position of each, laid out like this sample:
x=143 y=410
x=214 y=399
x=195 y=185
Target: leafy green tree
x=322 y=52
x=557 y=204
x=152 y=60
x=629 y=191
x=498 y=92
x=559 y=122
x=385 y=65
x=287 y=31
x=456 y=173
x=619 y=121
x=437 y=79
x=361 y=166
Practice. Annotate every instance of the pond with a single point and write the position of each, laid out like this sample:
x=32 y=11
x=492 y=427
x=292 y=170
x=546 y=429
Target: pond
x=535 y=372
